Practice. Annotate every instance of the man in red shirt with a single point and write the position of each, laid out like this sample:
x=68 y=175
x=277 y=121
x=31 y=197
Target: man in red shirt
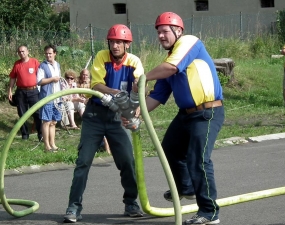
x=24 y=75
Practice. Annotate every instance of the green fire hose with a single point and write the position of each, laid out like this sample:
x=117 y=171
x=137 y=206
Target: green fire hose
x=178 y=210
x=140 y=168
x=187 y=208
x=32 y=206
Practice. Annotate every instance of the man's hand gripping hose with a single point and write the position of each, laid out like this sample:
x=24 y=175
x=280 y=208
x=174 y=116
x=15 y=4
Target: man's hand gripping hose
x=125 y=105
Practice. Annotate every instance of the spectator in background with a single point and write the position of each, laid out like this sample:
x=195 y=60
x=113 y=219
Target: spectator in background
x=73 y=102
x=84 y=82
x=283 y=53
x=24 y=75
x=48 y=77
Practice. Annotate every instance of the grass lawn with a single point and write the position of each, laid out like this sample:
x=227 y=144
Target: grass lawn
x=253 y=106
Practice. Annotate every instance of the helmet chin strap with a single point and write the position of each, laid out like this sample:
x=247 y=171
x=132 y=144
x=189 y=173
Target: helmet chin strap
x=173 y=31
x=176 y=38
x=117 y=57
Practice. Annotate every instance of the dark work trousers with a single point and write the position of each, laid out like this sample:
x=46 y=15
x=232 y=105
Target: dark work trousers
x=25 y=100
x=188 y=144
x=99 y=121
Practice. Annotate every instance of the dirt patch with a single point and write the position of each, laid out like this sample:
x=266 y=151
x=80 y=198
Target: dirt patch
x=9 y=117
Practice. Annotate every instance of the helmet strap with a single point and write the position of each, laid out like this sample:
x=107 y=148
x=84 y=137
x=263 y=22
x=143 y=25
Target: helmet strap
x=176 y=38
x=173 y=31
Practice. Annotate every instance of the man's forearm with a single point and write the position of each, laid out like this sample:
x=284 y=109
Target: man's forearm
x=105 y=90
x=162 y=71
x=12 y=83
x=151 y=103
x=45 y=81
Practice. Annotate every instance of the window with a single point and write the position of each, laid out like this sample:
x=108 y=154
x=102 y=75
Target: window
x=267 y=3
x=120 y=8
x=202 y=5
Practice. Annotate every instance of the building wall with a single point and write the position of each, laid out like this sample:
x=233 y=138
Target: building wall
x=100 y=13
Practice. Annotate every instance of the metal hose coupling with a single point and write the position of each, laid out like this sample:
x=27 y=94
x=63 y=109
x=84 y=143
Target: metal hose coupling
x=125 y=105
x=107 y=100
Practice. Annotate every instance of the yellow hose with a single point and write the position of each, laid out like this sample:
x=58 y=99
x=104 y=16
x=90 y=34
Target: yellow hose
x=177 y=210
x=141 y=181
x=32 y=205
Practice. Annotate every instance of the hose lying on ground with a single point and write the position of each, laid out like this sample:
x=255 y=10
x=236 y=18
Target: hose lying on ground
x=32 y=205
x=141 y=181
x=177 y=210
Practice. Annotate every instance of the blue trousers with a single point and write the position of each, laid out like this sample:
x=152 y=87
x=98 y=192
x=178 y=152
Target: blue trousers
x=99 y=121
x=188 y=144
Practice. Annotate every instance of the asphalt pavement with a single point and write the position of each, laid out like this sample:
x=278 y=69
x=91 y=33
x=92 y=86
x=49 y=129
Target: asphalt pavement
x=239 y=169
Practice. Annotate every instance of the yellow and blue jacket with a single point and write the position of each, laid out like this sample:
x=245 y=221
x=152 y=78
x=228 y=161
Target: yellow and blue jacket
x=196 y=80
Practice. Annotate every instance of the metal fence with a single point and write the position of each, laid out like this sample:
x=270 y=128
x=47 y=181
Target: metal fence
x=240 y=25
x=227 y=26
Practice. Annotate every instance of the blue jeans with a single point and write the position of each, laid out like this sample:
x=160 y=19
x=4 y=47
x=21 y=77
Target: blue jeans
x=99 y=121
x=188 y=144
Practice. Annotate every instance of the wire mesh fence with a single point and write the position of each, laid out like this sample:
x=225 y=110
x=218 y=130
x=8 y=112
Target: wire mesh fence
x=240 y=25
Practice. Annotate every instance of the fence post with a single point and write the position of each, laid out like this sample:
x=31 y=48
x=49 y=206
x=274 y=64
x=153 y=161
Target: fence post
x=192 y=24
x=4 y=44
x=17 y=38
x=91 y=42
x=130 y=26
x=241 y=27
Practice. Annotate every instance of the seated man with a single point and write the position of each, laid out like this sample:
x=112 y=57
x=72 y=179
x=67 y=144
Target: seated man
x=84 y=80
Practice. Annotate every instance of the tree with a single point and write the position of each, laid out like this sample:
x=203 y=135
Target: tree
x=25 y=14
x=61 y=21
x=32 y=16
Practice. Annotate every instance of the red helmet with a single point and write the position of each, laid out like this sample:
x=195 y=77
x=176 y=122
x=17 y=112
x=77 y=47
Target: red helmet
x=169 y=18
x=120 y=32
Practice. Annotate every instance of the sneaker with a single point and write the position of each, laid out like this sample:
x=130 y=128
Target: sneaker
x=71 y=217
x=196 y=219
x=168 y=197
x=133 y=210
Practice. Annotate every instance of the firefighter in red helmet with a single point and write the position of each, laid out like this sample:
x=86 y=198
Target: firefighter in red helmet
x=175 y=23
x=189 y=74
x=113 y=70
x=119 y=33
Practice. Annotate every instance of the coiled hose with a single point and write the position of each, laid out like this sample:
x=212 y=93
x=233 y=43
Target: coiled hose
x=32 y=205
x=177 y=211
